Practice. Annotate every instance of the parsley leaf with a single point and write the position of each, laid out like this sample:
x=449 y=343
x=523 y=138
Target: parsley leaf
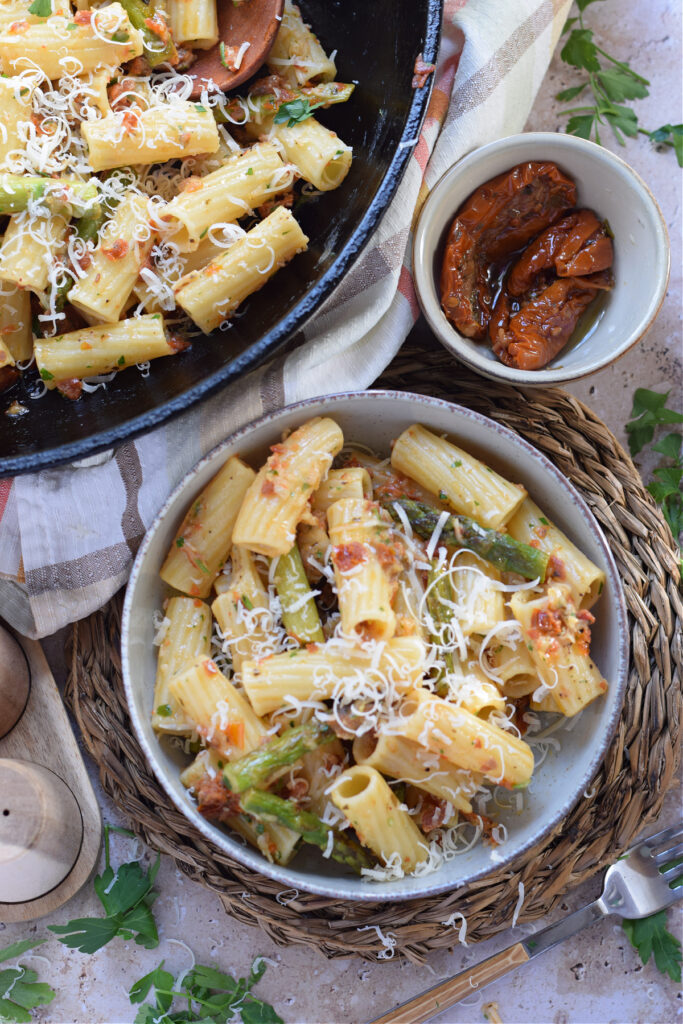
x=295 y=111
x=670 y=135
x=649 y=936
x=613 y=84
x=650 y=411
x=41 y=8
x=208 y=996
x=126 y=895
x=20 y=988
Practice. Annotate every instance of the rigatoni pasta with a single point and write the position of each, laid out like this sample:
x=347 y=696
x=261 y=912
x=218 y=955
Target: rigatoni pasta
x=126 y=198
x=373 y=722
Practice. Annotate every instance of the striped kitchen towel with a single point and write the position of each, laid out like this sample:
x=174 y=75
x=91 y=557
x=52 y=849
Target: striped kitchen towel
x=68 y=536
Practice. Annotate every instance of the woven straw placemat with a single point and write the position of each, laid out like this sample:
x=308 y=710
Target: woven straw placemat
x=627 y=791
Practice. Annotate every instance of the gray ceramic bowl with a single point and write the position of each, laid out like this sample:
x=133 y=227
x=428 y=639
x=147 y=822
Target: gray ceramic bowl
x=375 y=418
x=605 y=184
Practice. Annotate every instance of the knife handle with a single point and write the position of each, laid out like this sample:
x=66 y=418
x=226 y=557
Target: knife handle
x=440 y=997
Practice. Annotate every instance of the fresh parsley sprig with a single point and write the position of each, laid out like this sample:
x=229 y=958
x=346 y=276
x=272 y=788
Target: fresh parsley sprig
x=649 y=412
x=211 y=996
x=20 y=990
x=127 y=897
x=612 y=84
x=650 y=937
x=295 y=111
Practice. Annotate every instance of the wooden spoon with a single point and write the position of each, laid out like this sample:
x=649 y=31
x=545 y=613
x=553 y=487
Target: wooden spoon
x=255 y=22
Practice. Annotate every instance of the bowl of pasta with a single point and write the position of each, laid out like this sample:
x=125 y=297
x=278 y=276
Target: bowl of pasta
x=374 y=646
x=145 y=207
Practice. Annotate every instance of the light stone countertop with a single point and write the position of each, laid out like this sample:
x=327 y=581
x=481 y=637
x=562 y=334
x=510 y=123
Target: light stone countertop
x=594 y=977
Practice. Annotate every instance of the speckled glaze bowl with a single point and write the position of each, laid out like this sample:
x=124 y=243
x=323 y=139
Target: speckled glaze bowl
x=375 y=418
x=606 y=184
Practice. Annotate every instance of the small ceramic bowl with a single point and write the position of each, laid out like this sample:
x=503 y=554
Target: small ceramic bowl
x=605 y=184
x=374 y=418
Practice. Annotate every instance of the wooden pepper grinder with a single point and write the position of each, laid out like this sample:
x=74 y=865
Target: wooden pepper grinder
x=41 y=830
x=15 y=682
x=50 y=827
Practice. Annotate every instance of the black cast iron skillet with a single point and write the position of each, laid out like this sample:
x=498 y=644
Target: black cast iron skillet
x=377 y=43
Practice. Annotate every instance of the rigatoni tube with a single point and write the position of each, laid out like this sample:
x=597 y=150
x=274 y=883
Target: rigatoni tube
x=317 y=674
x=15 y=323
x=30 y=247
x=225 y=195
x=202 y=543
x=101 y=294
x=276 y=500
x=469 y=486
x=221 y=715
x=187 y=635
x=566 y=564
x=162 y=132
x=106 y=39
x=242 y=610
x=296 y=55
x=365 y=799
x=467 y=741
x=361 y=549
x=211 y=295
x=318 y=153
x=101 y=349
x=193 y=22
x=558 y=636
x=403 y=759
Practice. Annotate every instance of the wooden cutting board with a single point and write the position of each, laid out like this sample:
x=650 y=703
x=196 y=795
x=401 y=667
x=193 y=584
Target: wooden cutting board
x=50 y=824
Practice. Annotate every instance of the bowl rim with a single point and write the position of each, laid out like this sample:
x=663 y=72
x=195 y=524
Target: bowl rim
x=450 y=337
x=334 y=887
x=286 y=326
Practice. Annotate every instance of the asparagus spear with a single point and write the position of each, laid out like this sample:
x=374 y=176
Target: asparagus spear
x=269 y=807
x=158 y=46
x=88 y=226
x=299 y=613
x=17 y=190
x=501 y=550
x=254 y=768
x=440 y=590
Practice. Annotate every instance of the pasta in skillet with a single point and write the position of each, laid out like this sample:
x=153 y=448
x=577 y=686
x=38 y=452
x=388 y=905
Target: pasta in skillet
x=383 y=646
x=125 y=200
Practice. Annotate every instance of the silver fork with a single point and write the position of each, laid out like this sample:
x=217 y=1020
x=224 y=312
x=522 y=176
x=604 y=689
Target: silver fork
x=636 y=886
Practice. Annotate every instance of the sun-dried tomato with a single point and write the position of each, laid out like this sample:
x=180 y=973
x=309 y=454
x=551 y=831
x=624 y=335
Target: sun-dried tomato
x=497 y=220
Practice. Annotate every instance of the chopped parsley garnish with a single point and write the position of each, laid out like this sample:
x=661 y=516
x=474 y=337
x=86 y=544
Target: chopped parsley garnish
x=179 y=542
x=247 y=603
x=120 y=37
x=294 y=112
x=46 y=375
x=200 y=108
x=41 y=8
x=121 y=361
x=542 y=519
x=164 y=711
